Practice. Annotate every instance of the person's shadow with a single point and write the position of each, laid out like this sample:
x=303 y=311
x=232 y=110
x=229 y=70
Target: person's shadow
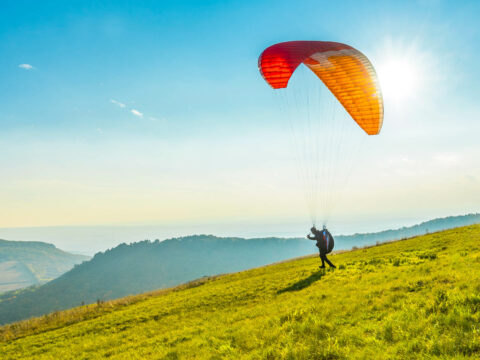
x=302 y=284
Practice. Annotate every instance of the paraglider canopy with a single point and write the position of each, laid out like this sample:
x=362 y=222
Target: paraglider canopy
x=346 y=72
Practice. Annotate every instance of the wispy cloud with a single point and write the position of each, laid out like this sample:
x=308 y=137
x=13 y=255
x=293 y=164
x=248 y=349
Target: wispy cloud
x=118 y=103
x=136 y=113
x=25 y=66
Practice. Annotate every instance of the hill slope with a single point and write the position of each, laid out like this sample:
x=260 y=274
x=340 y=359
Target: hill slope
x=439 y=224
x=145 y=266
x=24 y=263
x=418 y=298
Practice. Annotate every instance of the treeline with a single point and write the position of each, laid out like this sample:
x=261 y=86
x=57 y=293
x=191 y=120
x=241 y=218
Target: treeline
x=348 y=241
x=144 y=266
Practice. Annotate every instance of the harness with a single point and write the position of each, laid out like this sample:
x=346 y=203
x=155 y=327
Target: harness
x=326 y=239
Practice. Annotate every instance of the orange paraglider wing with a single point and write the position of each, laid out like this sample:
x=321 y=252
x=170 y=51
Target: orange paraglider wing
x=346 y=72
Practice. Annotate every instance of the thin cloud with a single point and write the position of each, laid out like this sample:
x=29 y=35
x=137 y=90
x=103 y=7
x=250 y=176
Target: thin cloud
x=118 y=103
x=136 y=113
x=25 y=66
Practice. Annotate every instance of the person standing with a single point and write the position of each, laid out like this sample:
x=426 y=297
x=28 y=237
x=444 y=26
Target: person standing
x=325 y=244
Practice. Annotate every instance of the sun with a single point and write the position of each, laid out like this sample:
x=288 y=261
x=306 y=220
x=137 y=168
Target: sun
x=398 y=79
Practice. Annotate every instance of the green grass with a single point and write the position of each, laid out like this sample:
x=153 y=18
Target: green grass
x=417 y=298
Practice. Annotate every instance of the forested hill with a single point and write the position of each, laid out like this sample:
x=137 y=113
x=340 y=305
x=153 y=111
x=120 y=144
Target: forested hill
x=144 y=266
x=349 y=241
x=412 y=299
x=24 y=263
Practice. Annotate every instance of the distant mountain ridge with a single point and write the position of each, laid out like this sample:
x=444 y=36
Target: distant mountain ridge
x=413 y=299
x=348 y=241
x=143 y=266
x=25 y=263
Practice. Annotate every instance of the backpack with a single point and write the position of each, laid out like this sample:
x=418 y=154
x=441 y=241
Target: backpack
x=326 y=242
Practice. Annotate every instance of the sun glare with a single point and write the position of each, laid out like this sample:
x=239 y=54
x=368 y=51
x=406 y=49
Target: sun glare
x=398 y=79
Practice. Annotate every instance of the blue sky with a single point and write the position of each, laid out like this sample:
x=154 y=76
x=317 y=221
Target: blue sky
x=138 y=112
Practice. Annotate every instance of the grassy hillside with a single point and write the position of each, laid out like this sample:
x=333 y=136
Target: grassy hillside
x=417 y=298
x=439 y=224
x=146 y=266
x=24 y=263
x=15 y=275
